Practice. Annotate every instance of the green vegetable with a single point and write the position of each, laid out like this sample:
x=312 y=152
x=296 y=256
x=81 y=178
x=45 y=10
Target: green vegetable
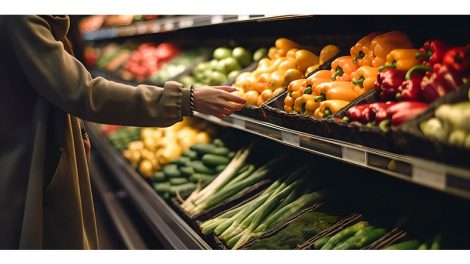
x=159 y=176
x=423 y=246
x=220 y=168
x=196 y=177
x=199 y=167
x=344 y=234
x=182 y=161
x=187 y=171
x=230 y=155
x=321 y=242
x=203 y=148
x=161 y=187
x=212 y=160
x=192 y=155
x=218 y=142
x=362 y=238
x=183 y=187
x=436 y=243
x=171 y=171
x=410 y=244
x=178 y=181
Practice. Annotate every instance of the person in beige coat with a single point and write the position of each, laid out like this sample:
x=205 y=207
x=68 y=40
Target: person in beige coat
x=45 y=193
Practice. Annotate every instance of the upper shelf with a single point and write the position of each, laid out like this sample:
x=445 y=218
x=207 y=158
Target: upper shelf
x=442 y=177
x=174 y=23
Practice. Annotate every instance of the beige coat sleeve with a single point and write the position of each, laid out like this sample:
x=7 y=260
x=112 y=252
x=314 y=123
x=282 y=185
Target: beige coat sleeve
x=65 y=82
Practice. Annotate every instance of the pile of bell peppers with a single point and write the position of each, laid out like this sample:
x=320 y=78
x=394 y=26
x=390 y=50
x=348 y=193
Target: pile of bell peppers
x=326 y=92
x=410 y=79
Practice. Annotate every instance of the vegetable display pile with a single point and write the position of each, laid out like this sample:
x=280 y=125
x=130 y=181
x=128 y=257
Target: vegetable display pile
x=148 y=149
x=287 y=61
x=283 y=198
x=409 y=80
x=355 y=236
x=433 y=244
x=226 y=64
x=238 y=176
x=327 y=91
x=197 y=166
x=451 y=124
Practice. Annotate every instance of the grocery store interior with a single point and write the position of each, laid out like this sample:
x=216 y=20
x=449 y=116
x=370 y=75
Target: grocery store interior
x=344 y=141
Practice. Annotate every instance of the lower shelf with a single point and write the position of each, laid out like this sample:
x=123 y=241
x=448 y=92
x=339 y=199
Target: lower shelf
x=168 y=227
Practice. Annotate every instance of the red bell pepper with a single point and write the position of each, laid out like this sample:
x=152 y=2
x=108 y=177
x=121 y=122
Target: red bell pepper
x=458 y=59
x=432 y=52
x=402 y=112
x=388 y=82
x=410 y=90
x=443 y=80
x=379 y=111
x=355 y=113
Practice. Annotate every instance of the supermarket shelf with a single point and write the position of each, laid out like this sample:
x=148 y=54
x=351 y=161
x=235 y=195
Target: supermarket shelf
x=449 y=179
x=169 y=227
x=174 y=23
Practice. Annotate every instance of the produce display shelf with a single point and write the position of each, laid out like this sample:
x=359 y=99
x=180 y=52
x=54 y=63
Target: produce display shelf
x=168 y=226
x=442 y=177
x=174 y=23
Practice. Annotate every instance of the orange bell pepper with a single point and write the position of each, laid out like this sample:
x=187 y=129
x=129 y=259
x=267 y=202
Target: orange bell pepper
x=342 y=67
x=317 y=78
x=401 y=59
x=329 y=107
x=360 y=51
x=305 y=104
x=327 y=52
x=364 y=78
x=296 y=88
x=337 y=90
x=288 y=104
x=382 y=45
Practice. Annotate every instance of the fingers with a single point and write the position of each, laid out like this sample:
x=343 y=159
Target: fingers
x=226 y=88
x=233 y=107
x=233 y=98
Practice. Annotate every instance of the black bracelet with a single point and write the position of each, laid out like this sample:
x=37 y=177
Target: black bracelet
x=191 y=99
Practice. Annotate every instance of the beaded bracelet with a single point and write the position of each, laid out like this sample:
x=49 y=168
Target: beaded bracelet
x=191 y=99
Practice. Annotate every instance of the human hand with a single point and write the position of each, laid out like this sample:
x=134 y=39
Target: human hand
x=217 y=100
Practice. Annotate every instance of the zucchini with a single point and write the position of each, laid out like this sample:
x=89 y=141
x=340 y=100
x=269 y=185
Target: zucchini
x=161 y=187
x=205 y=148
x=362 y=238
x=214 y=160
x=178 y=181
x=410 y=244
x=218 y=142
x=196 y=177
x=159 y=176
x=192 y=155
x=199 y=167
x=182 y=161
x=220 y=168
x=183 y=187
x=171 y=171
x=187 y=171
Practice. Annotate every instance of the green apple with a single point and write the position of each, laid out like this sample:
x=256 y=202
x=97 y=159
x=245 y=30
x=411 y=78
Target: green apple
x=217 y=78
x=222 y=53
x=220 y=66
x=233 y=74
x=242 y=55
x=214 y=63
x=259 y=54
x=187 y=81
x=201 y=67
x=231 y=64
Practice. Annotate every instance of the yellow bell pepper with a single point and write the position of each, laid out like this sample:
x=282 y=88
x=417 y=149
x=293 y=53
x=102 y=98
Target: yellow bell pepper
x=383 y=44
x=401 y=59
x=315 y=79
x=364 y=78
x=342 y=67
x=360 y=51
x=305 y=103
x=296 y=88
x=329 y=107
x=328 y=52
x=337 y=90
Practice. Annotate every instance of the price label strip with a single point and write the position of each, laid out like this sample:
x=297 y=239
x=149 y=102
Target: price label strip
x=217 y=19
x=432 y=177
x=290 y=138
x=186 y=23
x=238 y=123
x=353 y=155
